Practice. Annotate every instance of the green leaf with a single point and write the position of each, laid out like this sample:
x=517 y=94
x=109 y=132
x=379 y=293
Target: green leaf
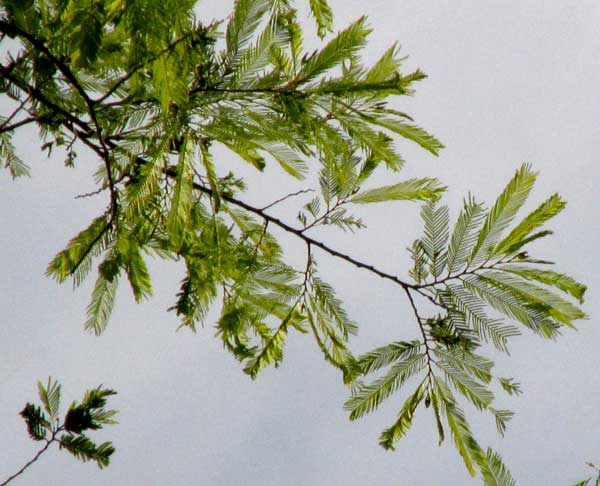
x=84 y=449
x=408 y=131
x=366 y=398
x=425 y=189
x=435 y=236
x=513 y=306
x=502 y=213
x=464 y=235
x=8 y=157
x=103 y=297
x=403 y=423
x=463 y=439
x=560 y=281
x=386 y=67
x=344 y=46
x=535 y=297
x=510 y=387
x=135 y=267
x=182 y=200
x=472 y=309
x=502 y=416
x=76 y=259
x=386 y=355
x=272 y=351
x=37 y=423
x=470 y=363
x=494 y=472
x=50 y=397
x=477 y=394
x=243 y=23
x=548 y=209
x=584 y=482
x=249 y=64
x=323 y=15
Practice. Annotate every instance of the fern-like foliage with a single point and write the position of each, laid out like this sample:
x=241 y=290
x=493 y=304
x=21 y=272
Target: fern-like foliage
x=152 y=92
x=482 y=280
x=44 y=424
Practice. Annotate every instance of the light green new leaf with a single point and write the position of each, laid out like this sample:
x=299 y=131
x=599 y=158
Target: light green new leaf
x=367 y=398
x=386 y=355
x=472 y=307
x=548 y=209
x=324 y=296
x=470 y=363
x=209 y=166
x=502 y=213
x=386 y=67
x=494 y=472
x=424 y=189
x=435 y=236
x=181 y=202
x=463 y=439
x=403 y=423
x=271 y=353
x=560 y=281
x=510 y=386
x=135 y=267
x=249 y=63
x=408 y=131
x=76 y=259
x=476 y=393
x=535 y=297
x=344 y=46
x=501 y=416
x=101 y=305
x=512 y=306
x=50 y=397
x=244 y=20
x=286 y=158
x=8 y=157
x=323 y=15
x=464 y=235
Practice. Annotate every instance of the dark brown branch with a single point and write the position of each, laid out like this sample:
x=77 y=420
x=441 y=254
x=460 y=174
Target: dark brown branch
x=307 y=239
x=70 y=76
x=422 y=329
x=20 y=123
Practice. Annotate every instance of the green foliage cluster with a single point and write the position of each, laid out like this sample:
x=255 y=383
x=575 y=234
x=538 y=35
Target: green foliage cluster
x=151 y=91
x=44 y=424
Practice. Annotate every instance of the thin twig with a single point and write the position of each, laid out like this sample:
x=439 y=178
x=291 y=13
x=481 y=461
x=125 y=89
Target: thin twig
x=304 y=191
x=422 y=328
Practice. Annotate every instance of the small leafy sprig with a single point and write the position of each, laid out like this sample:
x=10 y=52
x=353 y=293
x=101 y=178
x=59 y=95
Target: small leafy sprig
x=44 y=425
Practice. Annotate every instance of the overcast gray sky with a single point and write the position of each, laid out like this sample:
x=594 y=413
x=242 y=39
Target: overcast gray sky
x=510 y=81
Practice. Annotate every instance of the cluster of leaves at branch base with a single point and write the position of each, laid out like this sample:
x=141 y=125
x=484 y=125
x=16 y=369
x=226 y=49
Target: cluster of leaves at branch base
x=484 y=269
x=90 y=414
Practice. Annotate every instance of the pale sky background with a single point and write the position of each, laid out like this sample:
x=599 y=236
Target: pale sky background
x=510 y=81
